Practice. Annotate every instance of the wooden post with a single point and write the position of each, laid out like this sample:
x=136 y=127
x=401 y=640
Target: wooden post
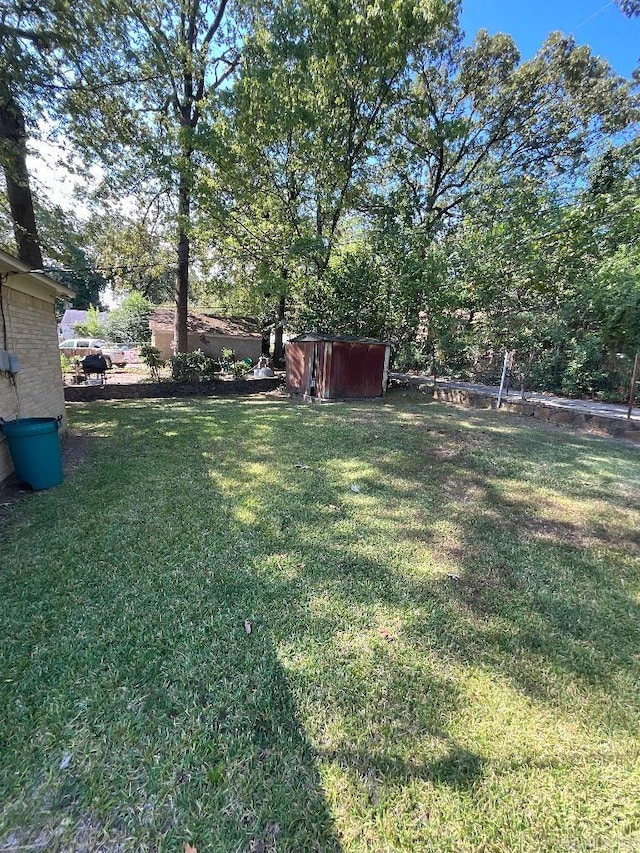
x=633 y=384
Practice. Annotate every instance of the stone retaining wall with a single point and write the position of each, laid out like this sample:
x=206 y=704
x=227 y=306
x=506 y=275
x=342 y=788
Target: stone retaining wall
x=147 y=390
x=580 y=420
x=585 y=421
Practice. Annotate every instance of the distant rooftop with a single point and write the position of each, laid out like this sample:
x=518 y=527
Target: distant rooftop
x=162 y=319
x=77 y=315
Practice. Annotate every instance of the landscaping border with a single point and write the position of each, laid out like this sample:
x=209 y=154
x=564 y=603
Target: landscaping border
x=148 y=390
x=547 y=411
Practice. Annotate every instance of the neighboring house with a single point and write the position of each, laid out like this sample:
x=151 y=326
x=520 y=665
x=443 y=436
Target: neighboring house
x=28 y=330
x=337 y=367
x=72 y=316
x=208 y=333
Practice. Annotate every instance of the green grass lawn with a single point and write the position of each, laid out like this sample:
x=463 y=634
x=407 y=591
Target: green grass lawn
x=445 y=659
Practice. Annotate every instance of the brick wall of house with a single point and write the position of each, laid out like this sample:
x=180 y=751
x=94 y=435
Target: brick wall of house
x=32 y=336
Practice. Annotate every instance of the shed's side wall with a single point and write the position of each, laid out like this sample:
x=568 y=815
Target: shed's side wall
x=31 y=335
x=299 y=367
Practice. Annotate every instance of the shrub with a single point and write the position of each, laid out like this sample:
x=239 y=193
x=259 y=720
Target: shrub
x=585 y=372
x=152 y=357
x=192 y=366
x=186 y=366
x=209 y=367
x=92 y=326
x=239 y=369
x=130 y=321
x=227 y=359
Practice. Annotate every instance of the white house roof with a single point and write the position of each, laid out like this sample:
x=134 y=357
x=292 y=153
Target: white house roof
x=77 y=315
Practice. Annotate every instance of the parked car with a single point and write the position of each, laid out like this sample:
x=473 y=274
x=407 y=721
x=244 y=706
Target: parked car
x=88 y=346
x=132 y=352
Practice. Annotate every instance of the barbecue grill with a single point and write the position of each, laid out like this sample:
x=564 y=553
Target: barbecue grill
x=95 y=365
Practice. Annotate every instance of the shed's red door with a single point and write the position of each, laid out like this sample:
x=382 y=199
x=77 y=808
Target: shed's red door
x=357 y=370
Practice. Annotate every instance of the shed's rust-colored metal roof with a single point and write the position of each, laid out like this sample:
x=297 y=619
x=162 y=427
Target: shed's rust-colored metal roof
x=347 y=339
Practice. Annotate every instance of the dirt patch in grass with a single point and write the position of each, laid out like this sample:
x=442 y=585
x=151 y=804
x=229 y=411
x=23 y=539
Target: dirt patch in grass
x=480 y=592
x=75 y=447
x=581 y=536
x=89 y=835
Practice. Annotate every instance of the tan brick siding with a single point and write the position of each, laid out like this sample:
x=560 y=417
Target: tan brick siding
x=32 y=336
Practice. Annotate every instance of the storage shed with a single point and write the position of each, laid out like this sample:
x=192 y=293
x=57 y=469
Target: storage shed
x=337 y=367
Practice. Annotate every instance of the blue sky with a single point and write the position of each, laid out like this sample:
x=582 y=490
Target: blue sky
x=601 y=25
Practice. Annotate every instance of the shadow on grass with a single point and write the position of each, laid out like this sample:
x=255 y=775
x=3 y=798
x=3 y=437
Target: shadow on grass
x=458 y=768
x=143 y=712
x=511 y=561
x=196 y=516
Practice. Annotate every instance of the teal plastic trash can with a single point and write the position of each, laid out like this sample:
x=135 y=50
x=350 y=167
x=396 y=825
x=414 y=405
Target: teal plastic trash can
x=34 y=445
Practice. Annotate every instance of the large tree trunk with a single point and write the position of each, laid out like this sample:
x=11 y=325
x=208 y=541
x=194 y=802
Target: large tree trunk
x=180 y=335
x=278 y=343
x=266 y=342
x=13 y=155
x=195 y=81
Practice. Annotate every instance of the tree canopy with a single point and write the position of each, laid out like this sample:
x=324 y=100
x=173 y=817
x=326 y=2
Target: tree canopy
x=352 y=166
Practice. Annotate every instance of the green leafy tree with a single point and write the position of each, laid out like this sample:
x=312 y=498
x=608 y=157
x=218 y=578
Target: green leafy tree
x=136 y=256
x=349 y=299
x=177 y=55
x=480 y=153
x=27 y=35
x=67 y=243
x=552 y=278
x=315 y=87
x=152 y=357
x=49 y=51
x=630 y=7
x=92 y=326
x=610 y=211
x=130 y=321
x=480 y=116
